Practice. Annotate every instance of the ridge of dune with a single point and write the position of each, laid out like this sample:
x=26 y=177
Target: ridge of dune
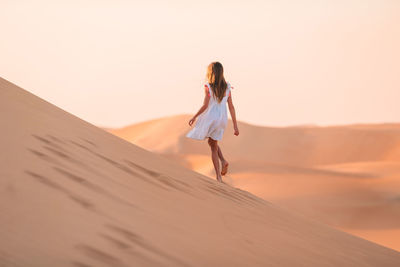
x=76 y=195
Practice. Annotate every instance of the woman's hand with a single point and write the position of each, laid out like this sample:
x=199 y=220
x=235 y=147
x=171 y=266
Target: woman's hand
x=192 y=121
x=236 y=131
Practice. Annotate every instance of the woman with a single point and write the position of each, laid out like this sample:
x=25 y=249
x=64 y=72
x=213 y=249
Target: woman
x=213 y=117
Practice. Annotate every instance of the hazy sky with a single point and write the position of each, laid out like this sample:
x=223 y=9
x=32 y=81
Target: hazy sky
x=114 y=63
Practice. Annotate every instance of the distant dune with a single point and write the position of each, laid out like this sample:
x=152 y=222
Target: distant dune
x=302 y=146
x=73 y=194
x=347 y=176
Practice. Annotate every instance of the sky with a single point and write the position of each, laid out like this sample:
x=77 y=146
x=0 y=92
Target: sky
x=114 y=63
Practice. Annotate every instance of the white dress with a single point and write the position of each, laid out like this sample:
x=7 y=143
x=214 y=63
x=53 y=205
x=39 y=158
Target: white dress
x=212 y=122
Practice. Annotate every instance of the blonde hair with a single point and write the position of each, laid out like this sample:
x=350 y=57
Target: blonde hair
x=215 y=77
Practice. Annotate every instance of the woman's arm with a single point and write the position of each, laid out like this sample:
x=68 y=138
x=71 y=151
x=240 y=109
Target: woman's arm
x=233 y=114
x=203 y=107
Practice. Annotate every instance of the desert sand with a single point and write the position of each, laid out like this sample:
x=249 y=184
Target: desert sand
x=347 y=176
x=73 y=194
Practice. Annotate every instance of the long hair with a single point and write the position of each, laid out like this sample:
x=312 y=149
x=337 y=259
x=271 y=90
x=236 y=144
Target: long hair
x=215 y=77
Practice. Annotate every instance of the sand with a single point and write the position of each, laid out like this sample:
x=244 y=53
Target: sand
x=73 y=194
x=347 y=176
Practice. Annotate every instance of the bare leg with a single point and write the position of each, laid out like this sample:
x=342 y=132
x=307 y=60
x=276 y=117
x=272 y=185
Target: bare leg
x=215 y=159
x=224 y=163
x=221 y=157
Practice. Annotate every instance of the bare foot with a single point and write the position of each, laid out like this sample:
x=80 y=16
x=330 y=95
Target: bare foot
x=219 y=178
x=225 y=165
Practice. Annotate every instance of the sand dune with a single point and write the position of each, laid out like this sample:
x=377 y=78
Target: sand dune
x=75 y=195
x=302 y=146
x=347 y=176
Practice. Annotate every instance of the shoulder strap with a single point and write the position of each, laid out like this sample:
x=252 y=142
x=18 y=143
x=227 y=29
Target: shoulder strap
x=208 y=88
x=228 y=93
